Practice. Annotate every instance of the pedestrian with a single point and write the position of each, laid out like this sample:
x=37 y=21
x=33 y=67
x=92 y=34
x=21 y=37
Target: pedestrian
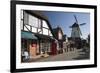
x=26 y=55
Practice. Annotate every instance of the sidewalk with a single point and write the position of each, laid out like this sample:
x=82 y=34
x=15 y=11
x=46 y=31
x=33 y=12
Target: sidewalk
x=41 y=56
x=71 y=55
x=59 y=57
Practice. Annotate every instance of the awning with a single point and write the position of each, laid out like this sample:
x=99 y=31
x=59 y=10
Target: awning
x=28 y=35
x=40 y=36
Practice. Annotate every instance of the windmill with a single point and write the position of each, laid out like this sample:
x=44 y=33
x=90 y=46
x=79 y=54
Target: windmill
x=76 y=32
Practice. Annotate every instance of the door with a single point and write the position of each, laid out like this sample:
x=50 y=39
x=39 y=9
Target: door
x=53 y=48
x=33 y=48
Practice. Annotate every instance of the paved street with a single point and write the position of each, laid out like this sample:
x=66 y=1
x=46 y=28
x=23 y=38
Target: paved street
x=72 y=55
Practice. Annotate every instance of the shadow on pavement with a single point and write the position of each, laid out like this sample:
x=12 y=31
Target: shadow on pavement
x=83 y=55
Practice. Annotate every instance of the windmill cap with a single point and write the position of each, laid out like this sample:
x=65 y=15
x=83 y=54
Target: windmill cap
x=75 y=25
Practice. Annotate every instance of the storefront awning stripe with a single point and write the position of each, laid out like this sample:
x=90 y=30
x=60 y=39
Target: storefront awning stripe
x=27 y=35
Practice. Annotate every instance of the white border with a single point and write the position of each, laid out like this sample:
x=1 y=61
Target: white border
x=20 y=65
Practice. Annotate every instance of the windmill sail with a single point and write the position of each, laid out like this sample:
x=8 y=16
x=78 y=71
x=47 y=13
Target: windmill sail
x=76 y=19
x=80 y=31
x=82 y=24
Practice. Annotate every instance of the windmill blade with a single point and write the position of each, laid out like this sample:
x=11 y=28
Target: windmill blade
x=80 y=31
x=82 y=24
x=75 y=19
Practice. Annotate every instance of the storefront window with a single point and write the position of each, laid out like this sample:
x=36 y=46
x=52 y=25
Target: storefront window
x=45 y=46
x=48 y=47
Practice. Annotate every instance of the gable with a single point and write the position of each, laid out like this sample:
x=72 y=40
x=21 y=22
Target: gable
x=58 y=33
x=36 y=24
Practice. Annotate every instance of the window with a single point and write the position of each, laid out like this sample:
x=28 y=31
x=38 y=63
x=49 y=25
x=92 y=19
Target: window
x=45 y=31
x=35 y=24
x=32 y=20
x=39 y=23
x=45 y=46
x=45 y=24
x=25 y=18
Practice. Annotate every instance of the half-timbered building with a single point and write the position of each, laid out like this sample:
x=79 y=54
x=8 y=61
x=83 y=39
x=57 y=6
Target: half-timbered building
x=36 y=34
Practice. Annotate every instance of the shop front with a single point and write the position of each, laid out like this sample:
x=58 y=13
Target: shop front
x=28 y=45
x=44 y=44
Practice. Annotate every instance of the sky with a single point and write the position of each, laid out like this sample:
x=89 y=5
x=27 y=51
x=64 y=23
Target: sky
x=66 y=19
